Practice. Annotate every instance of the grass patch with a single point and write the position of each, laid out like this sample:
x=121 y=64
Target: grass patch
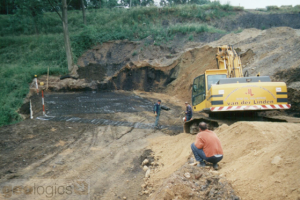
x=21 y=58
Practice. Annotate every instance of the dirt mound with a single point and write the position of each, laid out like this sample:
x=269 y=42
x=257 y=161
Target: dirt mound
x=260 y=159
x=172 y=178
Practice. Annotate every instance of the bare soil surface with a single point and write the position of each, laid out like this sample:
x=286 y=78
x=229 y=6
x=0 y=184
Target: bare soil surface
x=108 y=154
x=109 y=157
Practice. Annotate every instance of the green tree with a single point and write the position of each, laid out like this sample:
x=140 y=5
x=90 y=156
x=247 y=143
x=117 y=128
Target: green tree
x=111 y=3
x=175 y=2
x=32 y=8
x=83 y=11
x=7 y=7
x=97 y=3
x=64 y=18
x=137 y=2
x=199 y=1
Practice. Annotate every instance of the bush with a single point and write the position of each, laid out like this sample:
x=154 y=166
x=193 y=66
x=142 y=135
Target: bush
x=272 y=8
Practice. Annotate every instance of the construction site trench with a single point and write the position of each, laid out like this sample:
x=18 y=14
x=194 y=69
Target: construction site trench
x=99 y=127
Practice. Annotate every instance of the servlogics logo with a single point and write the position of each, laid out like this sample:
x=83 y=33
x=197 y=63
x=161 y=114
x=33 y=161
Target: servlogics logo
x=46 y=189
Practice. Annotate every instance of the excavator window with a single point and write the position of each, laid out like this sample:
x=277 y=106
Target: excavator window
x=213 y=79
x=198 y=90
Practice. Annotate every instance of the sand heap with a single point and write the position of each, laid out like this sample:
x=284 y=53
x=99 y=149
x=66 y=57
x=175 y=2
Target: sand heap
x=261 y=159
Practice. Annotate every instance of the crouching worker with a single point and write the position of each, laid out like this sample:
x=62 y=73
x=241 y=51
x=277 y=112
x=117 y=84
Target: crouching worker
x=207 y=147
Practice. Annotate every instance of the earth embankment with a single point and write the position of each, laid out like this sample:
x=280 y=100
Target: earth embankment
x=261 y=159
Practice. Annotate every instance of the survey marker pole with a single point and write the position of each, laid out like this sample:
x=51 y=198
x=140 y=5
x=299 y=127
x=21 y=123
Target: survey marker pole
x=43 y=102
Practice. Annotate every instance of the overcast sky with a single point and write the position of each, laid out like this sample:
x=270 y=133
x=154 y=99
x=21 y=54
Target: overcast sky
x=250 y=4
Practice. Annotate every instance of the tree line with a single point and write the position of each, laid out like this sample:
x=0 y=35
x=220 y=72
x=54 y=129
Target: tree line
x=34 y=7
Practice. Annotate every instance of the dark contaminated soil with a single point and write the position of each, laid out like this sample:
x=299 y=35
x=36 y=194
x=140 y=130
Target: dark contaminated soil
x=291 y=77
x=106 y=108
x=144 y=78
x=96 y=72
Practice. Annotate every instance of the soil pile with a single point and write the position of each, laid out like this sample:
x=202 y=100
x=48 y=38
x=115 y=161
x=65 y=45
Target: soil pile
x=171 y=177
x=260 y=159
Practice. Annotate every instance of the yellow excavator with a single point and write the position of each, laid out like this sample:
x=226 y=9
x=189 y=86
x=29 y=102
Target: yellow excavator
x=228 y=90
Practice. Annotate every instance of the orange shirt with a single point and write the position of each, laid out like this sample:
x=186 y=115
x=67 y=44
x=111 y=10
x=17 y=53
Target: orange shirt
x=209 y=142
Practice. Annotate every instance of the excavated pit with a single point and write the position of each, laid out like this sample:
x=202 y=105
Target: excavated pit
x=143 y=78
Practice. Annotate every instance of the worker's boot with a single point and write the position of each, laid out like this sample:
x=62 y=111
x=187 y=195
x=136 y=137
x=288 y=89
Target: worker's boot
x=215 y=166
x=201 y=164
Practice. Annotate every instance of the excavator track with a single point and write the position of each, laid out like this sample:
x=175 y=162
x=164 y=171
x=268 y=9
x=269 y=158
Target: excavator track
x=215 y=121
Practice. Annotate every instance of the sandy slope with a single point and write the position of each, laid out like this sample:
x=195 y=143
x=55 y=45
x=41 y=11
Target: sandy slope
x=261 y=159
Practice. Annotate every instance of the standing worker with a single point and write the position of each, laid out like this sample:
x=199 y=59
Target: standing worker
x=157 y=110
x=188 y=112
x=207 y=147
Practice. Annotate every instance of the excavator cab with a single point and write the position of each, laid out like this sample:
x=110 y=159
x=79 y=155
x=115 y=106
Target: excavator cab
x=202 y=85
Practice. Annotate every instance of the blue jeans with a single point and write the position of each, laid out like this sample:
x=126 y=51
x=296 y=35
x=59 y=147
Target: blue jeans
x=188 y=117
x=156 y=121
x=200 y=155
